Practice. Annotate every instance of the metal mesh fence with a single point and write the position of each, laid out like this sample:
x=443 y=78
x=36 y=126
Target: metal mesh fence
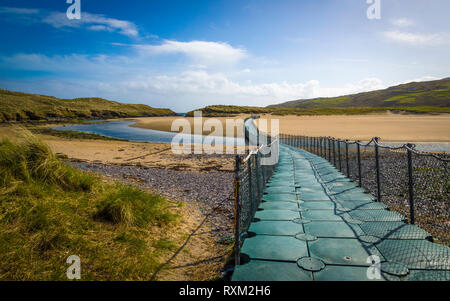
x=411 y=194
x=412 y=183
x=251 y=175
x=431 y=190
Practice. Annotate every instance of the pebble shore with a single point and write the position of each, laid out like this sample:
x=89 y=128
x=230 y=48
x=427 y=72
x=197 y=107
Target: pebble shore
x=209 y=189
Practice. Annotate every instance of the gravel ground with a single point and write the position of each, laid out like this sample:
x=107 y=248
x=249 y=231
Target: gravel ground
x=209 y=189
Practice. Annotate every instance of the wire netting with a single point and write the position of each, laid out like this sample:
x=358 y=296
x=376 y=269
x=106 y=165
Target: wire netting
x=431 y=184
x=416 y=187
x=252 y=177
x=253 y=171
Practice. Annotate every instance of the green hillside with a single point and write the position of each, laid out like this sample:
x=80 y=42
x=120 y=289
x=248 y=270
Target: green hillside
x=228 y=111
x=412 y=98
x=16 y=106
x=415 y=94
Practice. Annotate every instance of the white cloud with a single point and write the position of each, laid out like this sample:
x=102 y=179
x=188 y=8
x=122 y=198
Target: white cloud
x=202 y=83
x=416 y=38
x=126 y=79
x=92 y=22
x=420 y=79
x=201 y=52
x=348 y=60
x=89 y=21
x=402 y=22
x=18 y=10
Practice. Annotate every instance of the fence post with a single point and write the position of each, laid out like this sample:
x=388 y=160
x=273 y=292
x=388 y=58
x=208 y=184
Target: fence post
x=324 y=150
x=258 y=184
x=314 y=145
x=377 y=166
x=250 y=182
x=329 y=149
x=334 y=152
x=237 y=215
x=359 y=163
x=317 y=145
x=411 y=185
x=339 y=154
x=346 y=158
x=320 y=146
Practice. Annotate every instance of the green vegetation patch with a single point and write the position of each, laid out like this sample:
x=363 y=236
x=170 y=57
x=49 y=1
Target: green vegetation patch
x=16 y=106
x=70 y=134
x=50 y=210
x=422 y=94
x=402 y=99
x=225 y=111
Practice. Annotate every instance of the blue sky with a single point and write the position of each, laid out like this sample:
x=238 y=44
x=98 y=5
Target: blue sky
x=188 y=54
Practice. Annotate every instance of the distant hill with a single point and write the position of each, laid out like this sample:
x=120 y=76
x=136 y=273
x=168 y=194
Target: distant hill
x=415 y=94
x=412 y=98
x=17 y=106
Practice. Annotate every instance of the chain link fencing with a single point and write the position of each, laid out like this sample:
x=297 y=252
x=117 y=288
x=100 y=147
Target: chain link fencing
x=252 y=172
x=414 y=183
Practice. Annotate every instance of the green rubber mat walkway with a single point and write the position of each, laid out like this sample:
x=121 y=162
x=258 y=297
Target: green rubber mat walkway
x=316 y=224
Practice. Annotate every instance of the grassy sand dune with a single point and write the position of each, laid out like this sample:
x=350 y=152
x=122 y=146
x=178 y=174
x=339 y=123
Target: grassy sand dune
x=17 y=106
x=49 y=210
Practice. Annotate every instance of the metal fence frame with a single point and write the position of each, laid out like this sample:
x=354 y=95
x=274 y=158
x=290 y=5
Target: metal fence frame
x=336 y=151
x=251 y=174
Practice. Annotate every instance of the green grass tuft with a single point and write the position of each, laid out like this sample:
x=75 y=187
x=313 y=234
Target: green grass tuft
x=130 y=206
x=49 y=210
x=70 y=134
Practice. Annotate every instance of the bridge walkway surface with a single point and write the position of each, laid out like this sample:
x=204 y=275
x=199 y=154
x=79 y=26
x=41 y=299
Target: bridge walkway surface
x=316 y=224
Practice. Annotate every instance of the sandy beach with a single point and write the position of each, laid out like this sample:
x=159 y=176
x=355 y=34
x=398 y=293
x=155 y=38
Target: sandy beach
x=150 y=155
x=165 y=123
x=390 y=127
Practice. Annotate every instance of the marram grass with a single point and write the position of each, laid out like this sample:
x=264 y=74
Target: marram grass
x=50 y=210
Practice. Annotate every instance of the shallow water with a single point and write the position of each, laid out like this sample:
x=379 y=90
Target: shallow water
x=122 y=130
